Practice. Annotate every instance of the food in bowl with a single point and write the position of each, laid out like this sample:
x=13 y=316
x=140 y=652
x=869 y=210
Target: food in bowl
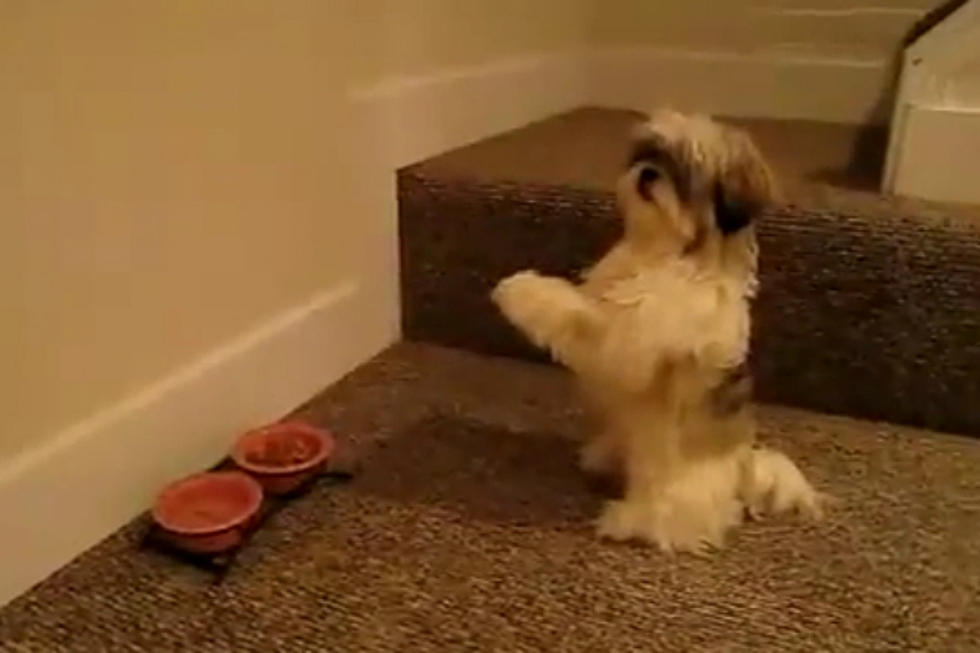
x=283 y=452
x=283 y=457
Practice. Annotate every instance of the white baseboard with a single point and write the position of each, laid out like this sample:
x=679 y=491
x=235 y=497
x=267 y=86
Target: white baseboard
x=416 y=117
x=772 y=85
x=59 y=499
x=419 y=116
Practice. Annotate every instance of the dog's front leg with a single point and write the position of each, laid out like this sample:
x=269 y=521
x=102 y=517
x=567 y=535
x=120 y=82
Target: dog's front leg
x=552 y=313
x=651 y=453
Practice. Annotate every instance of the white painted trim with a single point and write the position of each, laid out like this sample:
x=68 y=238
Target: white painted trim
x=840 y=12
x=935 y=132
x=896 y=132
x=937 y=154
x=62 y=497
x=762 y=84
x=416 y=117
x=951 y=42
x=936 y=69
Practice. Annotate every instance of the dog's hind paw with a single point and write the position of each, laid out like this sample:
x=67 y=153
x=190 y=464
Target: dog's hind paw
x=772 y=483
x=662 y=525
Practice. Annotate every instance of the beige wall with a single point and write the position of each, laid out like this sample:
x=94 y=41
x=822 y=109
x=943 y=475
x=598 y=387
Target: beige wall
x=171 y=172
x=817 y=28
x=165 y=183
x=398 y=37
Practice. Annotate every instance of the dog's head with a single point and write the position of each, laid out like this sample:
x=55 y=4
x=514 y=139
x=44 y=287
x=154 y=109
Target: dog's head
x=693 y=186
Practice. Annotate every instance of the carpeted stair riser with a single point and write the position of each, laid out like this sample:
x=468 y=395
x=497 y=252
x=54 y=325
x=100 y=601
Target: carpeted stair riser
x=876 y=317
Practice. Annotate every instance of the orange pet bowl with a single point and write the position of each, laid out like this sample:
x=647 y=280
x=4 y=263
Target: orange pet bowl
x=284 y=456
x=209 y=512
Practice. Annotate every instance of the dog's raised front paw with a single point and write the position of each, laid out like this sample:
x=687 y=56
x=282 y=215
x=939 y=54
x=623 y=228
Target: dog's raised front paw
x=517 y=297
x=539 y=306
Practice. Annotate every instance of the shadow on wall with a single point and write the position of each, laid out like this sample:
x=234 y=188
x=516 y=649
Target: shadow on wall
x=865 y=165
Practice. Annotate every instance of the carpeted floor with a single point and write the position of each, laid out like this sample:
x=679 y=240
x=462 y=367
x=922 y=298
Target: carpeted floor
x=468 y=529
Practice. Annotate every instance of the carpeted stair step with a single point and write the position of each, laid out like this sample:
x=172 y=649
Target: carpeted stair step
x=870 y=306
x=469 y=528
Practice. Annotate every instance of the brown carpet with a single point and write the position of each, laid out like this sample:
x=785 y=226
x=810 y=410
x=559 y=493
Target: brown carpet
x=869 y=305
x=468 y=529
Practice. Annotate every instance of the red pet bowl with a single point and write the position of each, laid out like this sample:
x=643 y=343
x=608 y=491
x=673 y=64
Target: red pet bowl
x=282 y=457
x=209 y=512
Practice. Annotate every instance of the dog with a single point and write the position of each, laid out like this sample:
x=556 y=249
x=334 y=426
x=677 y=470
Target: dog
x=657 y=334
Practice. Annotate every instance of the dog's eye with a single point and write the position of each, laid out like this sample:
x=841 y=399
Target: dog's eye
x=647 y=176
x=731 y=215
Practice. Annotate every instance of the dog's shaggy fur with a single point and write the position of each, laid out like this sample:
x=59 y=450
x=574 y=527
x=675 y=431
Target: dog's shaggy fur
x=658 y=335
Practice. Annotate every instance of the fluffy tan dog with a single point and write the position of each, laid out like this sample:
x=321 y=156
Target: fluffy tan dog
x=658 y=334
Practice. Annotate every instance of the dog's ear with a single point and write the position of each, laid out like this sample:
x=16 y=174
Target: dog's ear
x=744 y=186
